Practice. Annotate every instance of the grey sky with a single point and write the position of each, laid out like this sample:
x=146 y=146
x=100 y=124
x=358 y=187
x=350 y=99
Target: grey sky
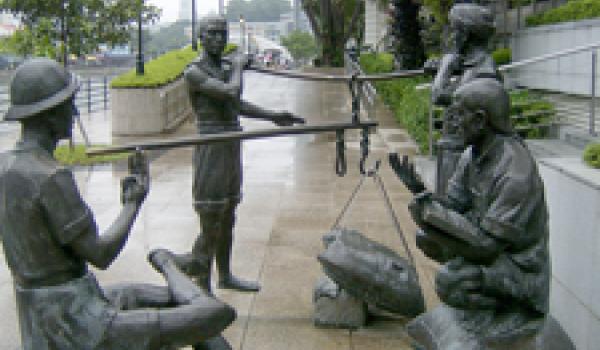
x=171 y=8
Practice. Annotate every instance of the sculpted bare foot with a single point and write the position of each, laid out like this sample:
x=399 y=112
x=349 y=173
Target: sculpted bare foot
x=232 y=282
x=160 y=257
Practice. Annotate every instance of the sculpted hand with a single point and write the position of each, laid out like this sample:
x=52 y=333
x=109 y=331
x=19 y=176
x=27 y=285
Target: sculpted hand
x=431 y=66
x=417 y=205
x=459 y=284
x=286 y=119
x=240 y=60
x=405 y=170
x=133 y=190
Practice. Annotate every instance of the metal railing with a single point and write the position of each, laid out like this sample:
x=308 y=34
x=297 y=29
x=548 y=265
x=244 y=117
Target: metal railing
x=542 y=58
x=93 y=95
x=556 y=55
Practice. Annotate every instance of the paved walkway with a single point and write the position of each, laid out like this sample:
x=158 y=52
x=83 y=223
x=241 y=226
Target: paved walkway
x=291 y=198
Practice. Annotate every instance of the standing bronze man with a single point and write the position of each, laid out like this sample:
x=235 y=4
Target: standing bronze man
x=215 y=88
x=49 y=237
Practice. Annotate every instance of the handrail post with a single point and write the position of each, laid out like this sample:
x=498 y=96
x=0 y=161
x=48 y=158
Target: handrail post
x=593 y=95
x=105 y=85
x=430 y=127
x=89 y=94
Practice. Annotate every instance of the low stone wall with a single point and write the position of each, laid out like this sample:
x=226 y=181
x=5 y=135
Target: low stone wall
x=570 y=74
x=149 y=111
x=573 y=197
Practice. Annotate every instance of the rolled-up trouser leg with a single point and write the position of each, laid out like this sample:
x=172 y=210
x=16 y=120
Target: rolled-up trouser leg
x=223 y=249
x=224 y=243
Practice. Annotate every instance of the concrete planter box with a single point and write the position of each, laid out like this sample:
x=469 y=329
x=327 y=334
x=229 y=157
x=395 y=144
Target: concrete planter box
x=149 y=111
x=573 y=197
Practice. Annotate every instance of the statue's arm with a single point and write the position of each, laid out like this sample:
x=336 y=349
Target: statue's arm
x=102 y=250
x=72 y=223
x=199 y=81
x=442 y=87
x=281 y=118
x=474 y=241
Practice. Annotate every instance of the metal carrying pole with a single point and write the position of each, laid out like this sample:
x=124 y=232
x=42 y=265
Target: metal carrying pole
x=339 y=78
x=204 y=139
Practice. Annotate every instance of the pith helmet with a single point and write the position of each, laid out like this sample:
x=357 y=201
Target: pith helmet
x=38 y=85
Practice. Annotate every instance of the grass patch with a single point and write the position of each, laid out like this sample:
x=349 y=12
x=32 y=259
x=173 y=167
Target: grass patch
x=162 y=70
x=76 y=156
x=591 y=155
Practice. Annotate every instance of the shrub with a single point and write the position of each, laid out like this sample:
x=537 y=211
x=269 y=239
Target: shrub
x=502 y=56
x=531 y=115
x=160 y=71
x=591 y=155
x=409 y=105
x=571 y=11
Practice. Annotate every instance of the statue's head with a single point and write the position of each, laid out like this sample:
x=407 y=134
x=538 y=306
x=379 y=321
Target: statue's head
x=213 y=34
x=480 y=106
x=41 y=89
x=471 y=24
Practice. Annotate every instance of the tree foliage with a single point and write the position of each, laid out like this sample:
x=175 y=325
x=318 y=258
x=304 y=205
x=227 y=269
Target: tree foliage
x=334 y=22
x=301 y=45
x=257 y=10
x=88 y=23
x=168 y=38
x=406 y=29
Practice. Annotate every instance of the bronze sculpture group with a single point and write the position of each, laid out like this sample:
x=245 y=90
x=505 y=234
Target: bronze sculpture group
x=487 y=226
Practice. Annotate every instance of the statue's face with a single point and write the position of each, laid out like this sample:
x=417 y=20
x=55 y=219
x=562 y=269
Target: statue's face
x=459 y=36
x=214 y=38
x=62 y=121
x=469 y=123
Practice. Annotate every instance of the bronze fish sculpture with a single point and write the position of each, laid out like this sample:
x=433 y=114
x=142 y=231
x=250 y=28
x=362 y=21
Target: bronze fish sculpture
x=372 y=272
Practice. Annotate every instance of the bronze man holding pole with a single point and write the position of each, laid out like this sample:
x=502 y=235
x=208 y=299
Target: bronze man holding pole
x=215 y=88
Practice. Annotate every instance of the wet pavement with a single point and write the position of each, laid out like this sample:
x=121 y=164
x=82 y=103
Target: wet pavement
x=292 y=196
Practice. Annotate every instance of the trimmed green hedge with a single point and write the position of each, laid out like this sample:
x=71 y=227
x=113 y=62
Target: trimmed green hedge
x=573 y=10
x=409 y=105
x=160 y=71
x=591 y=155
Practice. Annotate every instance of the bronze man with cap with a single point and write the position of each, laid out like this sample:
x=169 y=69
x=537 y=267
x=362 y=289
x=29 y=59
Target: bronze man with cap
x=215 y=88
x=49 y=237
x=473 y=29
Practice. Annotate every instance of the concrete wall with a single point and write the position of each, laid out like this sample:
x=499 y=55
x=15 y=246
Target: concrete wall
x=573 y=196
x=149 y=111
x=570 y=74
x=376 y=26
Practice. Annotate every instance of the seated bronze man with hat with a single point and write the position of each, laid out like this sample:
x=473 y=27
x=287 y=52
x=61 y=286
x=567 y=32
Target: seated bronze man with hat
x=50 y=236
